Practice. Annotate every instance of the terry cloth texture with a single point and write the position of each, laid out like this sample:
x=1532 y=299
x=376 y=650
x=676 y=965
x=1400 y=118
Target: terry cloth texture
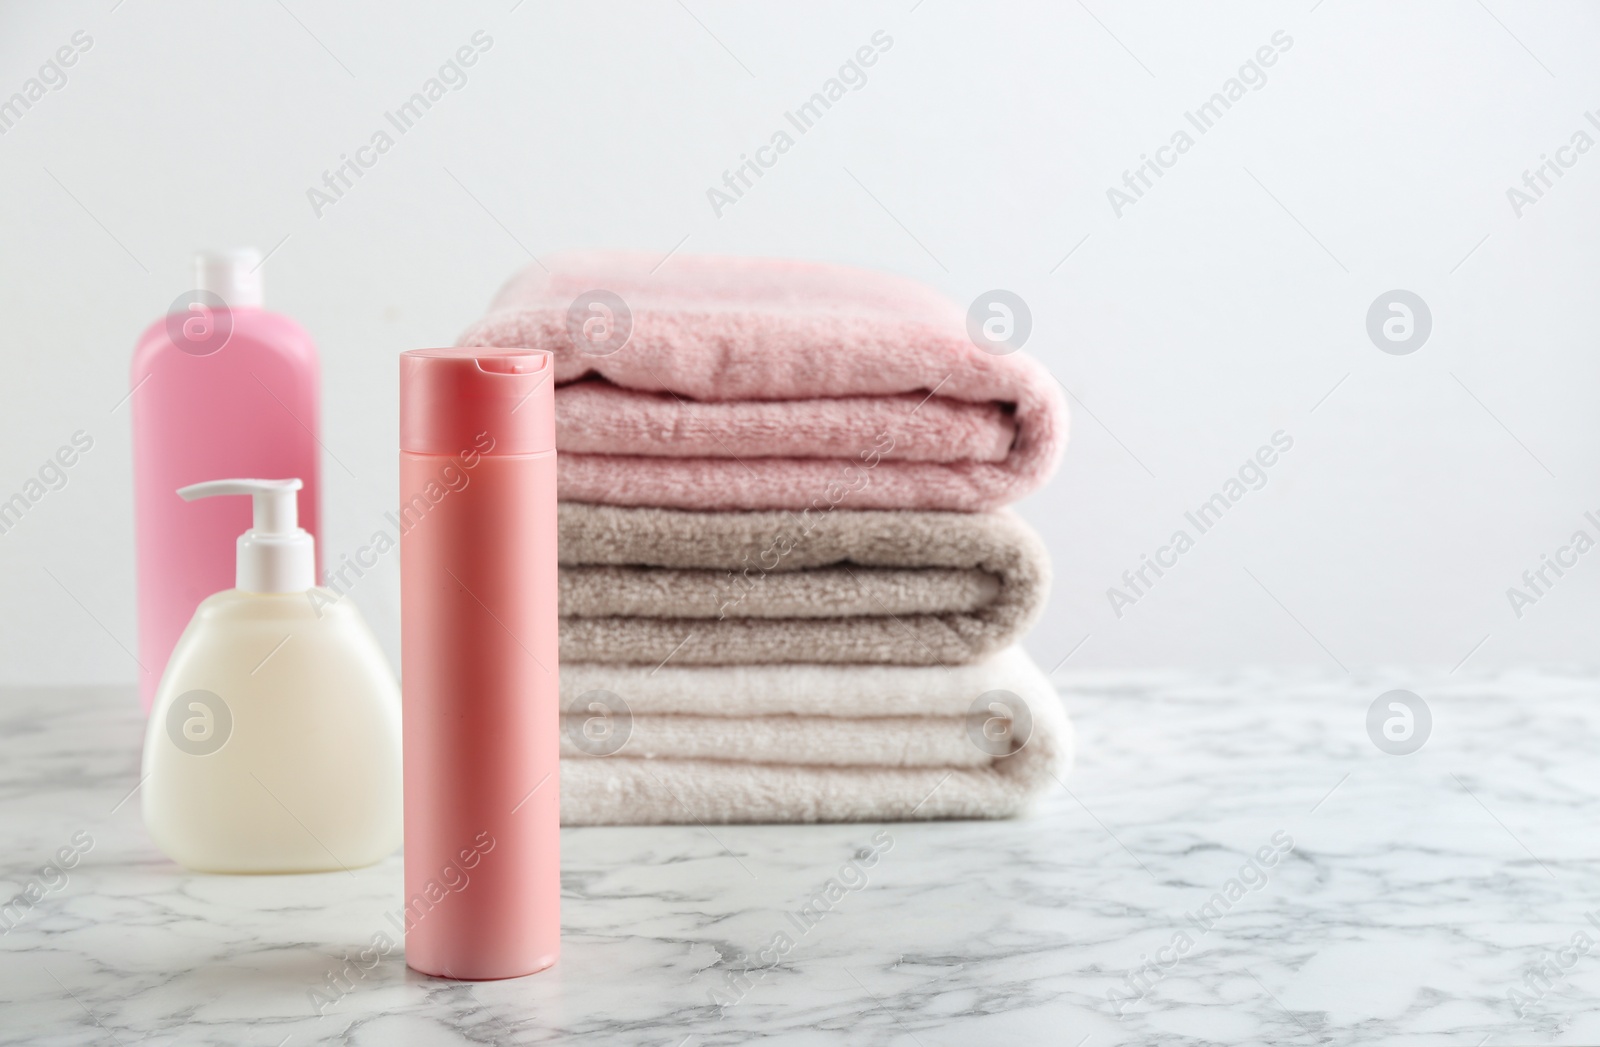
x=650 y=586
x=808 y=743
x=765 y=384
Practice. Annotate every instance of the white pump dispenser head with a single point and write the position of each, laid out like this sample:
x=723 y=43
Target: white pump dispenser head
x=234 y=276
x=276 y=555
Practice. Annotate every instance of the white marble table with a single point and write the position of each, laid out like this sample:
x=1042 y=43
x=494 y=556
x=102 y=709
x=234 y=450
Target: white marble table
x=1418 y=892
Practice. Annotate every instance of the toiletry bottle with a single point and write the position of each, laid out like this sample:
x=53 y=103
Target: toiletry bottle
x=220 y=387
x=274 y=742
x=478 y=661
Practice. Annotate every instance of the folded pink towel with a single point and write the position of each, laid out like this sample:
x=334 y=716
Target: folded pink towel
x=765 y=384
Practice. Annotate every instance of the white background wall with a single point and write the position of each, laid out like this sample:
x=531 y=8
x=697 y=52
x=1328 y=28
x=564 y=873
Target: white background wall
x=1223 y=306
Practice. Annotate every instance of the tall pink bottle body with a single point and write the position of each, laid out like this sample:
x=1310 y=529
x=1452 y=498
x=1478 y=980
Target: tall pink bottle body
x=249 y=408
x=480 y=715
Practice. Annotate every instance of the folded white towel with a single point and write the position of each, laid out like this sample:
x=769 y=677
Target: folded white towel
x=807 y=743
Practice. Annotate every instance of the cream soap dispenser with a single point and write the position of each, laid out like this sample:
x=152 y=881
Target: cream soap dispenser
x=273 y=745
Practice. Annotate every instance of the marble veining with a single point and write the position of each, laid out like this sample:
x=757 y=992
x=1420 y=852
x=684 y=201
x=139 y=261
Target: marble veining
x=1232 y=861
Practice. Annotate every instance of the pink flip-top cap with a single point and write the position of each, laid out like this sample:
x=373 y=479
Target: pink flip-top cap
x=451 y=398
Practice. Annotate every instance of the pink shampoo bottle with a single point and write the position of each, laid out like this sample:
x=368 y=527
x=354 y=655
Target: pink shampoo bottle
x=220 y=387
x=480 y=708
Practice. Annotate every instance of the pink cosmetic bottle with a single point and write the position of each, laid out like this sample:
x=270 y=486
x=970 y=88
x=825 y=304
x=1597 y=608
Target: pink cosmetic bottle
x=220 y=387
x=480 y=705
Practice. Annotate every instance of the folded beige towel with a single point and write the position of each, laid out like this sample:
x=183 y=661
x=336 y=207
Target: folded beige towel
x=807 y=743
x=645 y=585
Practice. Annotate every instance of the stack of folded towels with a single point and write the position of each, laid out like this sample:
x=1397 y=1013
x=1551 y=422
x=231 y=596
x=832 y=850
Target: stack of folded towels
x=787 y=579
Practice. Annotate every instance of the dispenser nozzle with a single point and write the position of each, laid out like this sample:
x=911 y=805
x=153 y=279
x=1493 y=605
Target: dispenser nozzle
x=276 y=555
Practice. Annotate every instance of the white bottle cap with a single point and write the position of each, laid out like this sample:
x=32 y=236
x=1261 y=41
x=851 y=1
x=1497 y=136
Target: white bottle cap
x=276 y=555
x=234 y=276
